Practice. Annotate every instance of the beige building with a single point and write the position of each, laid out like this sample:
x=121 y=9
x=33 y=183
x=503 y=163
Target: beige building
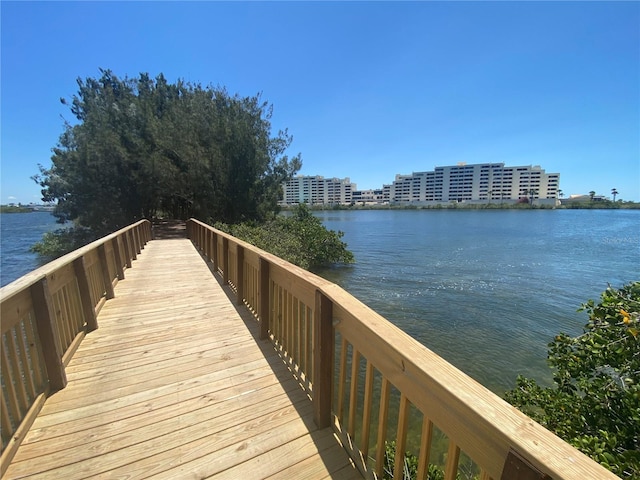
x=317 y=191
x=477 y=183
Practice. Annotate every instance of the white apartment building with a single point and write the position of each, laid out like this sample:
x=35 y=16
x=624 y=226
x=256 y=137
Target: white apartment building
x=478 y=183
x=317 y=190
x=368 y=196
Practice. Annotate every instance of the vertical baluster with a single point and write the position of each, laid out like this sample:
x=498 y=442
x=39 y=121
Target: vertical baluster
x=239 y=275
x=132 y=244
x=84 y=290
x=34 y=352
x=342 y=378
x=126 y=248
x=289 y=327
x=117 y=252
x=425 y=447
x=353 y=394
x=61 y=326
x=382 y=426
x=401 y=437
x=225 y=260
x=6 y=426
x=104 y=268
x=66 y=316
x=309 y=341
x=136 y=235
x=484 y=475
x=298 y=329
x=366 y=414
x=453 y=456
x=263 y=297
x=17 y=374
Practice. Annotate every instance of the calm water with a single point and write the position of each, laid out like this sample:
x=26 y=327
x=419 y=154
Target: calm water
x=18 y=232
x=486 y=290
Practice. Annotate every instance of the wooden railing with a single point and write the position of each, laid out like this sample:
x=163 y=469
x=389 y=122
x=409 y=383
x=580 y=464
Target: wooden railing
x=377 y=386
x=46 y=314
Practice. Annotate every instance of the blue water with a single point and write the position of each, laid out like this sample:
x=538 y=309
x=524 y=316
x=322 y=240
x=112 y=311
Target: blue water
x=486 y=290
x=18 y=232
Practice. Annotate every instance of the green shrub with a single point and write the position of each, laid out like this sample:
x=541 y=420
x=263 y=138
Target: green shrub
x=300 y=239
x=61 y=241
x=594 y=403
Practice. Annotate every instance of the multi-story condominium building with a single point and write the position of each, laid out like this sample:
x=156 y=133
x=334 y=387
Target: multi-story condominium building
x=484 y=182
x=368 y=196
x=317 y=190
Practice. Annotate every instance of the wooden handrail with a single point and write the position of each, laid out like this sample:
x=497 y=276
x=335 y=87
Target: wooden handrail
x=315 y=325
x=45 y=315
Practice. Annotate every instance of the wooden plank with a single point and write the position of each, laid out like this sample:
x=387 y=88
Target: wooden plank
x=193 y=386
x=60 y=277
x=14 y=309
x=264 y=297
x=51 y=352
x=353 y=392
x=401 y=437
x=104 y=271
x=88 y=310
x=323 y=361
x=425 y=447
x=383 y=418
x=366 y=414
x=342 y=378
x=453 y=456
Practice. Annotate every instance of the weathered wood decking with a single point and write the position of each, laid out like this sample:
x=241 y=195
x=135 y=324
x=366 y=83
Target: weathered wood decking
x=175 y=384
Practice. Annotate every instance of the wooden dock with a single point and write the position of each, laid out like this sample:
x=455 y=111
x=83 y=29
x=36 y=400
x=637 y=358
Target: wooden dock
x=175 y=383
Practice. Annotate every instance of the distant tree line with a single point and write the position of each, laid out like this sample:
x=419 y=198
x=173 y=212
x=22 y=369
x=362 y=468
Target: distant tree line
x=142 y=147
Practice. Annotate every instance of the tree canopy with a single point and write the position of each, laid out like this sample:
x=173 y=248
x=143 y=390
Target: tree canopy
x=143 y=146
x=594 y=403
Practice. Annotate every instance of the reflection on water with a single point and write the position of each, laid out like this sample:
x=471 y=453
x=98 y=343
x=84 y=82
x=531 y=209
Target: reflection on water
x=486 y=290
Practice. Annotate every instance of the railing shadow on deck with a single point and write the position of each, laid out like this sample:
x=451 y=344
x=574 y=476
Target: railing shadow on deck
x=45 y=315
x=375 y=385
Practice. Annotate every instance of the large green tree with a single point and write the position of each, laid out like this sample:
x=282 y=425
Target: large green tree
x=594 y=402
x=143 y=146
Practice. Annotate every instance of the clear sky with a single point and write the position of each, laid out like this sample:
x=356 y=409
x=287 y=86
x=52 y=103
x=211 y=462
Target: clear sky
x=367 y=90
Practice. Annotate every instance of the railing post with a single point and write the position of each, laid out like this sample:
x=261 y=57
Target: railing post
x=225 y=260
x=118 y=258
x=263 y=296
x=104 y=267
x=216 y=261
x=207 y=244
x=322 y=360
x=45 y=320
x=136 y=238
x=240 y=275
x=127 y=251
x=132 y=244
x=85 y=294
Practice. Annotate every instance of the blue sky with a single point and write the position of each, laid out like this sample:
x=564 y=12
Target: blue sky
x=367 y=90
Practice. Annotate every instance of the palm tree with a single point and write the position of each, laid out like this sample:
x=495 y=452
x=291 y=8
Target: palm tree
x=614 y=192
x=531 y=193
x=592 y=194
x=560 y=193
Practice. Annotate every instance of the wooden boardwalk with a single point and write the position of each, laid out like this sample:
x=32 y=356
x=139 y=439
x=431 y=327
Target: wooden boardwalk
x=175 y=384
